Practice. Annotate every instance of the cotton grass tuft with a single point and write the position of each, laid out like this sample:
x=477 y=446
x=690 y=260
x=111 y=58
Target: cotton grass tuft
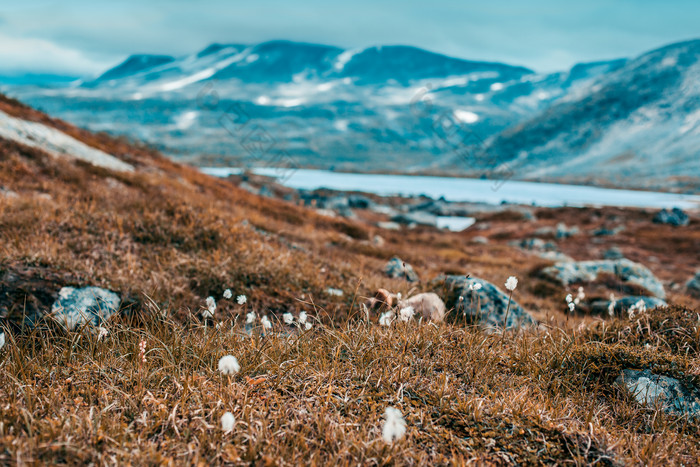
x=228 y=365
x=394 y=425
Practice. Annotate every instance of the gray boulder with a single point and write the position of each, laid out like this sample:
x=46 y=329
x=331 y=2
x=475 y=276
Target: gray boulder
x=625 y=303
x=660 y=391
x=568 y=272
x=416 y=217
x=693 y=286
x=675 y=217
x=397 y=269
x=486 y=306
x=87 y=305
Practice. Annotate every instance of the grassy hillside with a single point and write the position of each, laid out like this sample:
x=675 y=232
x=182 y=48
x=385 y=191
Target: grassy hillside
x=166 y=237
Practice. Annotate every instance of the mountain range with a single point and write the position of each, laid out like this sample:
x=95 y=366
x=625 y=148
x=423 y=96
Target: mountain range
x=627 y=122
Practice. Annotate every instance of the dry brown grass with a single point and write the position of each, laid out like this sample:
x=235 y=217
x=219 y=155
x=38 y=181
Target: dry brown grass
x=318 y=396
x=166 y=237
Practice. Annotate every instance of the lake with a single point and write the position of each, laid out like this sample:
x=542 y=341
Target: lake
x=472 y=190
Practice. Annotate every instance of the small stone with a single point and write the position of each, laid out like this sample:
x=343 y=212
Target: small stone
x=397 y=269
x=674 y=217
x=693 y=286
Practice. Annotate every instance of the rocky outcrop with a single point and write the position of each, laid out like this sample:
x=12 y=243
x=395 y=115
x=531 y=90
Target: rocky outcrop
x=569 y=272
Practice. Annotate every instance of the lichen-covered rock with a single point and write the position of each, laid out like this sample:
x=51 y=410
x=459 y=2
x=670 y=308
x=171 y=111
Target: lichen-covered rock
x=416 y=218
x=675 y=217
x=693 y=286
x=661 y=391
x=568 y=272
x=622 y=305
x=484 y=304
x=397 y=269
x=91 y=305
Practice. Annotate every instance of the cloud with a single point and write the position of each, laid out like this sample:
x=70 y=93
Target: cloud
x=26 y=54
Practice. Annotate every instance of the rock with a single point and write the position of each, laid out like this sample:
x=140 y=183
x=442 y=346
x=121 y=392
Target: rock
x=326 y=212
x=603 y=231
x=613 y=253
x=675 y=217
x=625 y=303
x=568 y=272
x=92 y=305
x=378 y=241
x=486 y=306
x=399 y=270
x=383 y=209
x=565 y=232
x=693 y=286
x=660 y=391
x=266 y=191
x=334 y=292
x=530 y=243
x=359 y=202
x=416 y=218
x=388 y=225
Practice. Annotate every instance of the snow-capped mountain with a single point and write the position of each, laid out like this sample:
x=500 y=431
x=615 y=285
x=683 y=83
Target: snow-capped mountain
x=639 y=122
x=396 y=108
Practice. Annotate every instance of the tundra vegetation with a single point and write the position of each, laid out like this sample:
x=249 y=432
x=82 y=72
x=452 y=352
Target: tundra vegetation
x=277 y=370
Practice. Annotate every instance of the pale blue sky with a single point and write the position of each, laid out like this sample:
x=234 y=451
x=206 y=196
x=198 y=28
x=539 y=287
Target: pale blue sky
x=82 y=37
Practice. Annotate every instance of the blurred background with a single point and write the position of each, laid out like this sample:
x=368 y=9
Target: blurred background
x=597 y=93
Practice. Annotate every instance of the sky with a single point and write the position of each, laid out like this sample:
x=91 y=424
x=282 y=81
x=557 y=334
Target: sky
x=84 y=38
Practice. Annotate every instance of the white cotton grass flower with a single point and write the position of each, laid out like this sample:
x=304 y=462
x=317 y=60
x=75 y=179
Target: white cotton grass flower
x=569 y=298
x=266 y=323
x=639 y=307
x=211 y=307
x=288 y=318
x=102 y=333
x=307 y=326
x=227 y=422
x=405 y=314
x=228 y=365
x=2 y=340
x=228 y=294
x=250 y=317
x=386 y=318
x=476 y=286
x=511 y=283
x=394 y=425
x=572 y=306
x=302 y=317
x=398 y=296
x=612 y=304
x=241 y=299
